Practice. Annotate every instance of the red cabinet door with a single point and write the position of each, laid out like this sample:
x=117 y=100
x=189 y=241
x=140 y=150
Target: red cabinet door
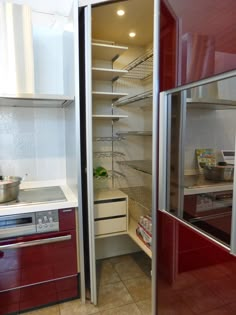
x=9 y=302
x=29 y=265
x=39 y=269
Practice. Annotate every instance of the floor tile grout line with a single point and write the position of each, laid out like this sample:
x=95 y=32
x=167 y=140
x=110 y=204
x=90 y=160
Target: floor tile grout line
x=112 y=308
x=130 y=292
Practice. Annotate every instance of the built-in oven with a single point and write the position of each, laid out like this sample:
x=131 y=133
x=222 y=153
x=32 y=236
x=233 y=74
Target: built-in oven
x=38 y=259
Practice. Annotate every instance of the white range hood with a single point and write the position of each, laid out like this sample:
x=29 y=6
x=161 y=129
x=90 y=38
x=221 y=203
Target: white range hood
x=16 y=49
x=36 y=63
x=215 y=95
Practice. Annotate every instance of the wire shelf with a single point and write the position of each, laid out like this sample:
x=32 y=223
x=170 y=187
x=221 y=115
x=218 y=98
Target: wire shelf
x=108 y=139
x=144 y=166
x=110 y=174
x=134 y=133
x=141 y=68
x=141 y=100
x=108 y=154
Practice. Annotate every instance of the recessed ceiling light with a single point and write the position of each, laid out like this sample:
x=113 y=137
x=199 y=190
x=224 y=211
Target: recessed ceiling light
x=120 y=12
x=132 y=34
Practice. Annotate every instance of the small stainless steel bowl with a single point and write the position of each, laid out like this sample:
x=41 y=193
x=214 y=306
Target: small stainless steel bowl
x=9 y=188
x=219 y=173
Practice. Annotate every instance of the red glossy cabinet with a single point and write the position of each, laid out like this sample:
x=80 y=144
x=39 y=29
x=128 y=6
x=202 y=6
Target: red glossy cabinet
x=168 y=47
x=204 y=33
x=195 y=275
x=42 y=274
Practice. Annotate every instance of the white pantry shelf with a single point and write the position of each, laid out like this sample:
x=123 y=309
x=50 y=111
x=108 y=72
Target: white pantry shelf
x=108 y=52
x=113 y=96
x=105 y=74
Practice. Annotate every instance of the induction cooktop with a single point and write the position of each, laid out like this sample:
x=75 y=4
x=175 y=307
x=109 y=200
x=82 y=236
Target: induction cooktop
x=38 y=195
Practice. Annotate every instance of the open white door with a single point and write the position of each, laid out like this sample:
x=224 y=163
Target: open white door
x=85 y=58
x=85 y=95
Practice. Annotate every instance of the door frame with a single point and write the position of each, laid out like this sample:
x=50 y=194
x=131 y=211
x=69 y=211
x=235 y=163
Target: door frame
x=87 y=6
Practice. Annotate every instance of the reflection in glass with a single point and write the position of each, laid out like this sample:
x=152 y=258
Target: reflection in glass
x=205 y=35
x=201 y=160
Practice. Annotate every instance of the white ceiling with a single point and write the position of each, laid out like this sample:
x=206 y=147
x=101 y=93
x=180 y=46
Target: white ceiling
x=107 y=25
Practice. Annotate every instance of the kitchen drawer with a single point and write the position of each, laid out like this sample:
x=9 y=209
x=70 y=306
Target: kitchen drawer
x=9 y=302
x=49 y=292
x=30 y=265
x=110 y=209
x=110 y=226
x=37 y=295
x=49 y=261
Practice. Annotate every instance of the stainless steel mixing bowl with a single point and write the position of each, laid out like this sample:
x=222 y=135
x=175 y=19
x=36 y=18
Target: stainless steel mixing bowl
x=9 y=188
x=219 y=173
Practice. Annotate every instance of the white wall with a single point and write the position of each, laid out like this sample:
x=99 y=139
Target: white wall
x=61 y=7
x=209 y=129
x=48 y=60
x=32 y=142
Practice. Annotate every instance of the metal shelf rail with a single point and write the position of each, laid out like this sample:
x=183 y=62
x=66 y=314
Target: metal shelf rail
x=110 y=174
x=108 y=139
x=140 y=68
x=144 y=166
x=134 y=133
x=108 y=154
x=141 y=100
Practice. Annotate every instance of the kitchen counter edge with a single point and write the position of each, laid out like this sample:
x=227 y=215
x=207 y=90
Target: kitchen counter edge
x=71 y=202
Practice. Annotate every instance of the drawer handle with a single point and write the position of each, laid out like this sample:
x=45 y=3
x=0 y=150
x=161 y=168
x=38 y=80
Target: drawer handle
x=36 y=242
x=67 y=210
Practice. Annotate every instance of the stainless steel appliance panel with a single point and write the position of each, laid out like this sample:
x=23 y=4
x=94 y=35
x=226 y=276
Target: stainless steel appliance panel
x=29 y=223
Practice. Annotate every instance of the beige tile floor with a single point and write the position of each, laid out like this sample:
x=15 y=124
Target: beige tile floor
x=124 y=287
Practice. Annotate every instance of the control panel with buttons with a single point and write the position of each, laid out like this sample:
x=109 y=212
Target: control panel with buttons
x=47 y=221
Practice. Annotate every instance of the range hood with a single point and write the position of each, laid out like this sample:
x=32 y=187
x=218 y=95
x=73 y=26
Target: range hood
x=16 y=49
x=24 y=60
x=219 y=95
x=35 y=100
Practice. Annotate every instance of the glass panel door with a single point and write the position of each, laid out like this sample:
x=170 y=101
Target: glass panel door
x=201 y=157
x=196 y=220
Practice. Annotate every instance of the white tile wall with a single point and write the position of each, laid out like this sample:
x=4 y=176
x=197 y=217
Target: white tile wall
x=32 y=142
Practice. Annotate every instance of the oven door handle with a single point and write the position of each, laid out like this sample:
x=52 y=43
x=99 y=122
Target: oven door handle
x=37 y=242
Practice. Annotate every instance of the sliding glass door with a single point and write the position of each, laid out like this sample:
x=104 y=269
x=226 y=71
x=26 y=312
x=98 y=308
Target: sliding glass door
x=197 y=198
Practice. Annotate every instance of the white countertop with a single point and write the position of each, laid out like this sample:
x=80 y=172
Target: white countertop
x=207 y=189
x=197 y=184
x=44 y=206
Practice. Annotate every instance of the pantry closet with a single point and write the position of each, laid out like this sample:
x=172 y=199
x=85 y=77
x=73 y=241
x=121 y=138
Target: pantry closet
x=117 y=106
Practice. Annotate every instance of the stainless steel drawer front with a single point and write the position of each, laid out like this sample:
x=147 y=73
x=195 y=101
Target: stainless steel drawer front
x=36 y=242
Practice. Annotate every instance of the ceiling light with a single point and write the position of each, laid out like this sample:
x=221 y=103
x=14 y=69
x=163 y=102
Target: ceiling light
x=120 y=12
x=132 y=34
